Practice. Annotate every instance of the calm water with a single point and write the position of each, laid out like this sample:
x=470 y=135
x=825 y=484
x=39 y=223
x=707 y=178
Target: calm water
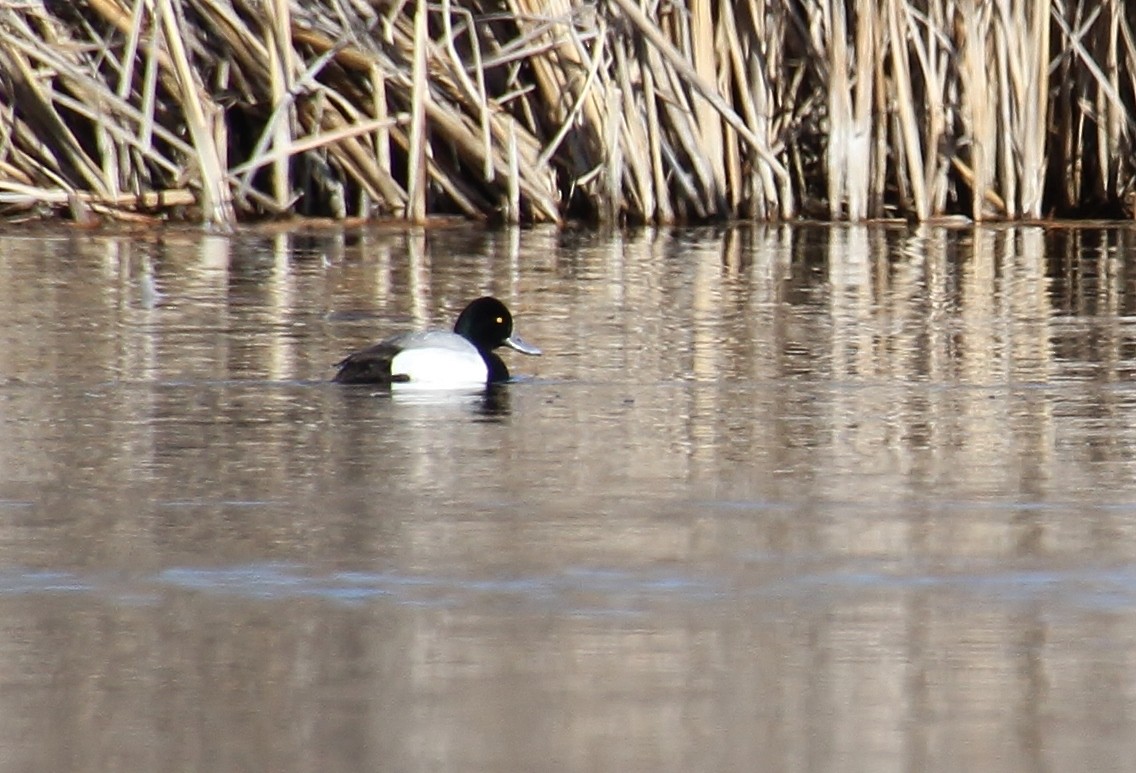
x=787 y=499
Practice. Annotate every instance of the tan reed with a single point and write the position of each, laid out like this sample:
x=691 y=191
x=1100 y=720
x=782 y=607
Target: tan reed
x=623 y=111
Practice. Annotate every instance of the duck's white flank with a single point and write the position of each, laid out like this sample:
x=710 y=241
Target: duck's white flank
x=440 y=361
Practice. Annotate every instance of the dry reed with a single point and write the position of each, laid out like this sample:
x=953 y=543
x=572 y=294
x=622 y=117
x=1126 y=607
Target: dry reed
x=544 y=110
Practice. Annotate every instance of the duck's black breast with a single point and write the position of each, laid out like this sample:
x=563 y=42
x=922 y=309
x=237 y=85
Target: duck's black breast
x=496 y=367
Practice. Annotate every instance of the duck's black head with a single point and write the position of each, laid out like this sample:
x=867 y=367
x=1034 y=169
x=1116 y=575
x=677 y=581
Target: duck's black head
x=487 y=324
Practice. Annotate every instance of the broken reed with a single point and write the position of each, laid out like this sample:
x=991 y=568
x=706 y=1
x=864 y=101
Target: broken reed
x=519 y=110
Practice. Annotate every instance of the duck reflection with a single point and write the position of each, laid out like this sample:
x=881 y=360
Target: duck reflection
x=489 y=401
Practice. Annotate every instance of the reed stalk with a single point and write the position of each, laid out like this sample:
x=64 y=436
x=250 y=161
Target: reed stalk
x=628 y=111
x=977 y=103
x=912 y=169
x=199 y=114
x=420 y=96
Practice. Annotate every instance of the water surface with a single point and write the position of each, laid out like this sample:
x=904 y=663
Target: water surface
x=795 y=498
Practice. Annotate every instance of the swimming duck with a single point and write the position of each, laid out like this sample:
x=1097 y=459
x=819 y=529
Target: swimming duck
x=439 y=359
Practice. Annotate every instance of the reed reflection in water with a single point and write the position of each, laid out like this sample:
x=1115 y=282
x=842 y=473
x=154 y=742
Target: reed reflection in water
x=789 y=498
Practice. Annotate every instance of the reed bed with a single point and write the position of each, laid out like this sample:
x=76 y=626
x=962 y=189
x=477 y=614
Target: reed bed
x=621 y=111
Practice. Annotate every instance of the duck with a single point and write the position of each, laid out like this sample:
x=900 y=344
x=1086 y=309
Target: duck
x=437 y=358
